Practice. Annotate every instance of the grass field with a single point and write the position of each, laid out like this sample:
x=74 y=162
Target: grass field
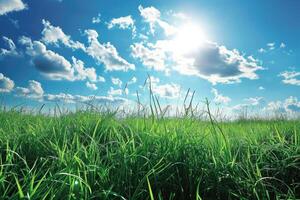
x=87 y=155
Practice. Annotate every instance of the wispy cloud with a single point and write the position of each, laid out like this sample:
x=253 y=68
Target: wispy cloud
x=290 y=77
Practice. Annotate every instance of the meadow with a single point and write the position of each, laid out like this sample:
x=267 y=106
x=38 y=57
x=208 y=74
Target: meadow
x=98 y=155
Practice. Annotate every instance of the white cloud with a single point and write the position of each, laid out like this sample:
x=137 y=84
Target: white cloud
x=274 y=106
x=82 y=73
x=132 y=81
x=153 y=58
x=33 y=91
x=291 y=105
x=96 y=20
x=261 y=88
x=49 y=63
x=91 y=86
x=55 y=35
x=15 y=22
x=271 y=45
x=180 y=15
x=126 y=91
x=6 y=84
x=250 y=106
x=218 y=64
x=254 y=101
x=262 y=50
x=290 y=77
x=7 y=6
x=61 y=97
x=282 y=45
x=101 y=79
x=143 y=37
x=209 y=61
x=169 y=90
x=219 y=98
x=55 y=66
x=152 y=16
x=69 y=98
x=153 y=80
x=106 y=54
x=114 y=92
x=116 y=81
x=11 y=51
x=123 y=23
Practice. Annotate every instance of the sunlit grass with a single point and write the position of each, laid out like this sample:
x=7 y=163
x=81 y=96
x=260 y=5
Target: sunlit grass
x=89 y=155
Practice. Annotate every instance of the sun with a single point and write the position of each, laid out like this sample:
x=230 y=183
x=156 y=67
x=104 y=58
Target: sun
x=189 y=38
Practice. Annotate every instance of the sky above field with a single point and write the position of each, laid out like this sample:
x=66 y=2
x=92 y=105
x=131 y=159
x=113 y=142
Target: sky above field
x=238 y=54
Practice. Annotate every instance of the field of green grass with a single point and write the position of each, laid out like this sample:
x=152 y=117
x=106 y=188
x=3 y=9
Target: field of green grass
x=88 y=155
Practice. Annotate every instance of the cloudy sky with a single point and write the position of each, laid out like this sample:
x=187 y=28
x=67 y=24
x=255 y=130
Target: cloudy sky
x=237 y=54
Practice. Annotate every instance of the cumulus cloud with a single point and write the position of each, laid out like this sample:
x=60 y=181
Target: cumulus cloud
x=219 y=98
x=91 y=86
x=49 y=63
x=11 y=51
x=152 y=16
x=123 y=23
x=106 y=54
x=7 y=6
x=261 y=88
x=218 y=64
x=151 y=57
x=209 y=61
x=6 y=84
x=291 y=105
x=82 y=73
x=55 y=66
x=290 y=77
x=33 y=91
x=116 y=81
x=168 y=91
x=55 y=35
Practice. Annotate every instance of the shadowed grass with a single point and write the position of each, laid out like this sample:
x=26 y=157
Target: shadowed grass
x=88 y=155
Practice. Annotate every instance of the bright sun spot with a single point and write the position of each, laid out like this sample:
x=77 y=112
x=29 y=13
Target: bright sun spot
x=189 y=37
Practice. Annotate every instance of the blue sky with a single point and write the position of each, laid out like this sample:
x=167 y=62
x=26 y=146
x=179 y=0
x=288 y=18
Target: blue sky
x=238 y=54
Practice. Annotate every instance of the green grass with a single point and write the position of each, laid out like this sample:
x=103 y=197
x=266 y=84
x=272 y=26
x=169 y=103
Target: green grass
x=88 y=155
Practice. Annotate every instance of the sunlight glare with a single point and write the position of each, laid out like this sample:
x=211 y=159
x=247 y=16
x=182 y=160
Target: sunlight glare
x=189 y=38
